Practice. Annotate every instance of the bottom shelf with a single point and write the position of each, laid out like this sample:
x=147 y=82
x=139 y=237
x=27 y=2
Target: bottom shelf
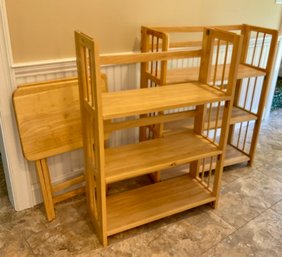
x=234 y=156
x=142 y=205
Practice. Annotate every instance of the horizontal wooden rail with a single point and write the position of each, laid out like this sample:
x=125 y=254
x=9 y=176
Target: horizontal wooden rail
x=186 y=44
x=61 y=186
x=110 y=127
x=195 y=28
x=147 y=57
x=70 y=194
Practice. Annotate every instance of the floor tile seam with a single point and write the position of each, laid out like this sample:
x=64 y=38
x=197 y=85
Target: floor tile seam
x=261 y=172
x=213 y=246
x=280 y=214
x=249 y=175
x=220 y=218
x=236 y=229
x=29 y=246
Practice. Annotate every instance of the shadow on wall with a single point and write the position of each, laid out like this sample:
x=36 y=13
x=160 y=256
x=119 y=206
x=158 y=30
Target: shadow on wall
x=3 y=187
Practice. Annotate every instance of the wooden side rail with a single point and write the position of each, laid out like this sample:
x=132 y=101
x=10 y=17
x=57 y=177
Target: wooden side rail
x=48 y=119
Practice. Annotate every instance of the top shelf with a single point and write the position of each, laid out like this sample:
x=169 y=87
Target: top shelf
x=146 y=100
x=191 y=74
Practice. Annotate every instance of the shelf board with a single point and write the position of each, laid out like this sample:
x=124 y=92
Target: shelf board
x=192 y=73
x=145 y=100
x=234 y=156
x=146 y=204
x=238 y=115
x=152 y=155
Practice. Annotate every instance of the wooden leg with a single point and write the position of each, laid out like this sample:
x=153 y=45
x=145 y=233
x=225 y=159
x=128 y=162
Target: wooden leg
x=194 y=169
x=155 y=177
x=217 y=179
x=46 y=188
x=254 y=141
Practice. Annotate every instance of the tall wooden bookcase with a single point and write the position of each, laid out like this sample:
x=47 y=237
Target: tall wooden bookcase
x=113 y=213
x=251 y=90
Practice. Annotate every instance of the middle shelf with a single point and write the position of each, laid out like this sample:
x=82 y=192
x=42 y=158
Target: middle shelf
x=180 y=75
x=148 y=156
x=145 y=100
x=238 y=115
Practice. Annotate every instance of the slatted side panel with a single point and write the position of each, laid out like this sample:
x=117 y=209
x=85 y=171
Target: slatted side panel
x=222 y=50
x=251 y=89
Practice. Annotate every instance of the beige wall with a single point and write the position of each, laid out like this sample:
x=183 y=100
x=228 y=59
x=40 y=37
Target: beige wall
x=43 y=29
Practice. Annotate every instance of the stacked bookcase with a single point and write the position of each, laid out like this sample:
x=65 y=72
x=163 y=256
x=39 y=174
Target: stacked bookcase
x=100 y=112
x=253 y=76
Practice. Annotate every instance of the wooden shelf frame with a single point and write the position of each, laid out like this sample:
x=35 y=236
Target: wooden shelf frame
x=104 y=166
x=251 y=67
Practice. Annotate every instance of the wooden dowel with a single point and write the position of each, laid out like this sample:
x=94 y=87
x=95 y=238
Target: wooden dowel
x=203 y=169
x=261 y=50
x=224 y=64
x=255 y=48
x=151 y=63
x=209 y=120
x=156 y=63
x=253 y=94
x=216 y=63
x=245 y=137
x=216 y=121
x=210 y=171
x=238 y=149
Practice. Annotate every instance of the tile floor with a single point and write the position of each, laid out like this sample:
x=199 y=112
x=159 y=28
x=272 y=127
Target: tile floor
x=248 y=221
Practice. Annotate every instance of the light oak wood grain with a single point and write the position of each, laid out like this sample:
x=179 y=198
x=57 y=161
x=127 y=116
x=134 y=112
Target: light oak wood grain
x=141 y=101
x=156 y=154
x=136 y=207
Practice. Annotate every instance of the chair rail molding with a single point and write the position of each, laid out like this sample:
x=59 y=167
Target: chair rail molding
x=15 y=167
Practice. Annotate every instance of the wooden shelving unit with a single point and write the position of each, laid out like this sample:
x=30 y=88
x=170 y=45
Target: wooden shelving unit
x=117 y=212
x=252 y=86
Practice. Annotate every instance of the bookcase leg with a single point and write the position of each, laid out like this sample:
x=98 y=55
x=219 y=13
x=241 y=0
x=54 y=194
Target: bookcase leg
x=155 y=177
x=217 y=179
x=194 y=169
x=46 y=187
x=254 y=141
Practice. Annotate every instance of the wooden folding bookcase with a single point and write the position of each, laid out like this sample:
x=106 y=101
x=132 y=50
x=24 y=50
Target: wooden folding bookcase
x=117 y=212
x=251 y=90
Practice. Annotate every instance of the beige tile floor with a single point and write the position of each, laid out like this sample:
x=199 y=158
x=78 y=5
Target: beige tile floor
x=248 y=221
